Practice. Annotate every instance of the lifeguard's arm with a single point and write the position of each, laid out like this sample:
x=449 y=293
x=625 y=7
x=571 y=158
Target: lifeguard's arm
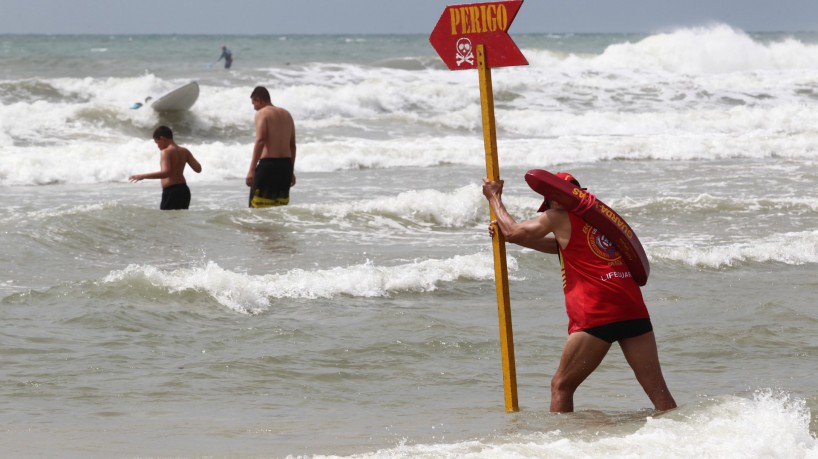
x=164 y=163
x=533 y=234
x=547 y=244
x=258 y=147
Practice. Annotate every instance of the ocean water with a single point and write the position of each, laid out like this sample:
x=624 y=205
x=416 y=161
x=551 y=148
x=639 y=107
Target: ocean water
x=360 y=321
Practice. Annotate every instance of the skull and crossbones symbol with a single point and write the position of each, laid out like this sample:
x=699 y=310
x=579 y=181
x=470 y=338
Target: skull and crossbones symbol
x=465 y=52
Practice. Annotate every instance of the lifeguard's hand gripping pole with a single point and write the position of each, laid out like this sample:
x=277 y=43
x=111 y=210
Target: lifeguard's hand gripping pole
x=461 y=31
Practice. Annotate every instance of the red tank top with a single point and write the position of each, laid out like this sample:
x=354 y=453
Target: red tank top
x=599 y=288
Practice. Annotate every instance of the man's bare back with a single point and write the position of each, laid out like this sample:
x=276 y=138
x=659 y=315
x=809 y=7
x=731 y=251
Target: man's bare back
x=176 y=157
x=275 y=131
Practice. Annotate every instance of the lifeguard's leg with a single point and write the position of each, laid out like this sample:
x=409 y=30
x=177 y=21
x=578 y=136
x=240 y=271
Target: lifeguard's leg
x=581 y=355
x=643 y=357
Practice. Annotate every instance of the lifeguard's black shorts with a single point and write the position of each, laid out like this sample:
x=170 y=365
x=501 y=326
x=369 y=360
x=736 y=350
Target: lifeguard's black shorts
x=621 y=330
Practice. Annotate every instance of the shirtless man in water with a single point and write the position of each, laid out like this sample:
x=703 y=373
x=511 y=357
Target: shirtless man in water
x=271 y=169
x=175 y=192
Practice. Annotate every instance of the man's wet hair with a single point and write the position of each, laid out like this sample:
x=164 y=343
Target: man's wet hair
x=163 y=131
x=261 y=93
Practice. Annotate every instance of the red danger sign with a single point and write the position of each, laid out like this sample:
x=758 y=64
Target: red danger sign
x=462 y=27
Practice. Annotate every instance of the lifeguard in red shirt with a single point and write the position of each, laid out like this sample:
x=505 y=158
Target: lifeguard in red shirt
x=599 y=288
x=603 y=301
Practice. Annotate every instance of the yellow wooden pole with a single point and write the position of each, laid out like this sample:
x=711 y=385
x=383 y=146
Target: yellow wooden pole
x=498 y=242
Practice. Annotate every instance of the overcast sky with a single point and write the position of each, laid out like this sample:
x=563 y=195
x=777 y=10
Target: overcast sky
x=389 y=16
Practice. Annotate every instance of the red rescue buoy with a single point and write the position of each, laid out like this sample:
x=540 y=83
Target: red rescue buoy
x=597 y=213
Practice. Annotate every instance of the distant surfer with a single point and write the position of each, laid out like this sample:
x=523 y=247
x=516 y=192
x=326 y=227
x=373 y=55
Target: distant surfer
x=227 y=56
x=172 y=160
x=603 y=301
x=271 y=169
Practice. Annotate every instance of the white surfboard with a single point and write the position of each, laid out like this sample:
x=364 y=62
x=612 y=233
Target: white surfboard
x=178 y=100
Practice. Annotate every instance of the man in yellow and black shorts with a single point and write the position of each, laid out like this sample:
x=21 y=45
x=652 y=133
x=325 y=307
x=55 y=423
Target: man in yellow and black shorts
x=271 y=169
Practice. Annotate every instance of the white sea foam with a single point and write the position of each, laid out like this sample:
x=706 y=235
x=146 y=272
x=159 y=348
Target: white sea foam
x=710 y=50
x=770 y=425
x=713 y=203
x=789 y=248
x=704 y=93
x=113 y=162
x=461 y=208
x=254 y=294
